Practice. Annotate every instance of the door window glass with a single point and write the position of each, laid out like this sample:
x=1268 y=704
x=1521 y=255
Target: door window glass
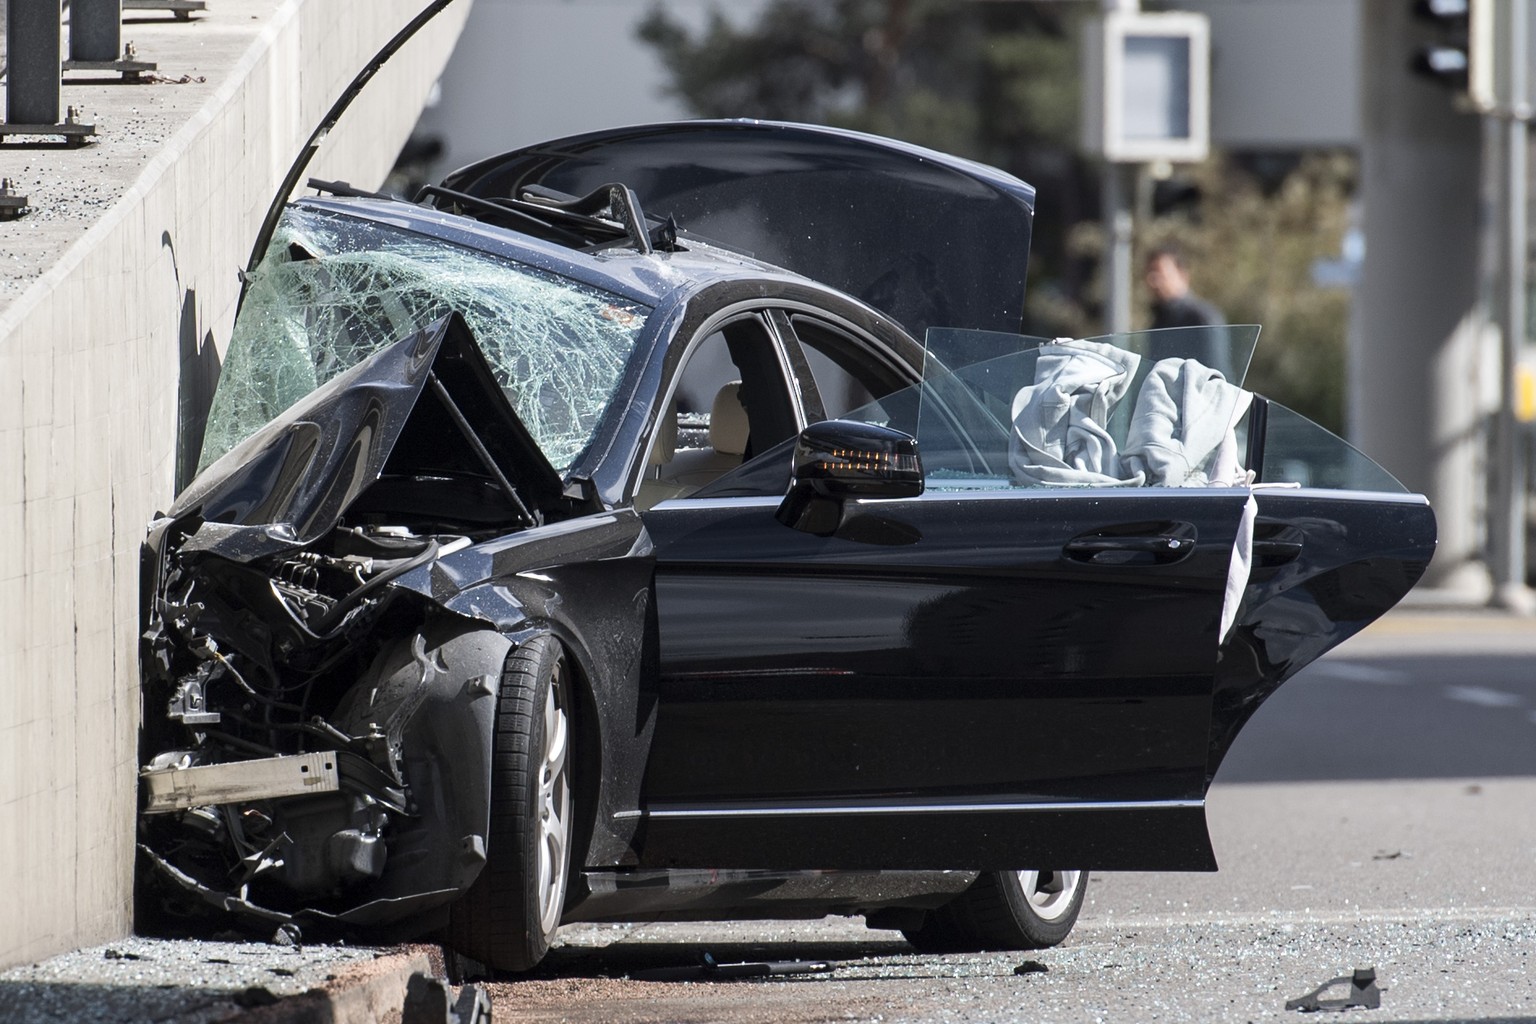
x=1137 y=410
x=1125 y=411
x=1300 y=452
x=1115 y=412
x=730 y=402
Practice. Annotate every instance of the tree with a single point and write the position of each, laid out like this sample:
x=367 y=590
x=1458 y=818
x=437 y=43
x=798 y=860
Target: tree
x=1252 y=252
x=998 y=82
x=993 y=82
x=1251 y=241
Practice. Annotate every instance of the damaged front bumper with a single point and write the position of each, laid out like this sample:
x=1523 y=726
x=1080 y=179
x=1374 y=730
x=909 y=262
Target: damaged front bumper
x=322 y=651
x=345 y=780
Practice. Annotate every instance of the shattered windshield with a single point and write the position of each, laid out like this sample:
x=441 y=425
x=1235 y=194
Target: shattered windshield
x=333 y=290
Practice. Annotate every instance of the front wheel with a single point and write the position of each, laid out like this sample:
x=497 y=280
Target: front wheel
x=509 y=917
x=1005 y=910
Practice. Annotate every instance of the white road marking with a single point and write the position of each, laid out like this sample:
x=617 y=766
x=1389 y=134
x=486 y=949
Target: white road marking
x=1292 y=918
x=1355 y=672
x=1484 y=697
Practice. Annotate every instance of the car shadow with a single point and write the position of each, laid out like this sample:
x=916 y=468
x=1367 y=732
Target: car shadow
x=630 y=958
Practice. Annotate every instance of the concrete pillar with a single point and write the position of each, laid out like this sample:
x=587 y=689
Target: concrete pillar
x=1416 y=402
x=34 y=43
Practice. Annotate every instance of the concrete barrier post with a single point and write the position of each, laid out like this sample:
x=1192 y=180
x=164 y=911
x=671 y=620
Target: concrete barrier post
x=35 y=34
x=95 y=30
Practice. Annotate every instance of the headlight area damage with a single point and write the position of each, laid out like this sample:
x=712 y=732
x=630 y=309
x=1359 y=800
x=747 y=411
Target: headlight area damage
x=323 y=646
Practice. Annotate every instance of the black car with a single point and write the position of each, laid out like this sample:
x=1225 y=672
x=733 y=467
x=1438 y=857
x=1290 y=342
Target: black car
x=669 y=523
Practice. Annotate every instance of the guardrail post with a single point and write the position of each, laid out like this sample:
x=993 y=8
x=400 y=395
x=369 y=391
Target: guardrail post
x=34 y=40
x=95 y=35
x=95 y=30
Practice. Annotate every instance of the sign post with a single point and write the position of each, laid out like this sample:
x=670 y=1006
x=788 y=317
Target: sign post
x=1146 y=97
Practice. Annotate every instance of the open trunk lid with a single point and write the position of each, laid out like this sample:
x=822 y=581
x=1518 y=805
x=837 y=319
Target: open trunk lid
x=928 y=238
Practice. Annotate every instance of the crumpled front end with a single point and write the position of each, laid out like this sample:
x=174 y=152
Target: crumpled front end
x=300 y=760
x=322 y=651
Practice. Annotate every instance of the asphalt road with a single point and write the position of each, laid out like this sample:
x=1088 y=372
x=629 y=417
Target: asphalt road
x=1378 y=812
x=1416 y=696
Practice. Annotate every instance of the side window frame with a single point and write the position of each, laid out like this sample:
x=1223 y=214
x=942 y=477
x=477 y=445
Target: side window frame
x=844 y=349
x=785 y=361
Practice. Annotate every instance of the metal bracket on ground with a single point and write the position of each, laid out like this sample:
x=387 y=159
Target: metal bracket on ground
x=71 y=129
x=130 y=67
x=11 y=204
x=1363 y=994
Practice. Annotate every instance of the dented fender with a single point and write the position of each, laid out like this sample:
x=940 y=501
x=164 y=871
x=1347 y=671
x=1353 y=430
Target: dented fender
x=432 y=697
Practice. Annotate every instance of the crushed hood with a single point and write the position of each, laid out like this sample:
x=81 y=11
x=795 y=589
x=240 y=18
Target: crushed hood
x=421 y=405
x=930 y=239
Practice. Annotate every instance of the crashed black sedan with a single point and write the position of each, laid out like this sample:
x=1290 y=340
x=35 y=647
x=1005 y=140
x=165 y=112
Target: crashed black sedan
x=669 y=523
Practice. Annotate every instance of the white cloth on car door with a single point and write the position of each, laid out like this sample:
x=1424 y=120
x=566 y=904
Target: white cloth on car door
x=1182 y=430
x=1060 y=436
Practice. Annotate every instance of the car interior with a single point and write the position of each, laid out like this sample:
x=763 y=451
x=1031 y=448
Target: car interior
x=731 y=400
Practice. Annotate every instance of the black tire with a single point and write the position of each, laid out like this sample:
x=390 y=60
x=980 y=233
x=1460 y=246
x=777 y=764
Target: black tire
x=509 y=917
x=1005 y=910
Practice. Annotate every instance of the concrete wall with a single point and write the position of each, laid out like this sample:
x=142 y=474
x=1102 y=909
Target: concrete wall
x=89 y=364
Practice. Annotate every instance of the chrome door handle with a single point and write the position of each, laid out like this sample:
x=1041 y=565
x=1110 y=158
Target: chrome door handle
x=1088 y=547
x=1270 y=553
x=1162 y=544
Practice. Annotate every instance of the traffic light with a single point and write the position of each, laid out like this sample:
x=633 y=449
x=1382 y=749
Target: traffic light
x=1460 y=54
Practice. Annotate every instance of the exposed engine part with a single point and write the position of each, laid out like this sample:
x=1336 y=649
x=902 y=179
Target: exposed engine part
x=190 y=702
x=328 y=844
x=257 y=663
x=320 y=588
x=177 y=788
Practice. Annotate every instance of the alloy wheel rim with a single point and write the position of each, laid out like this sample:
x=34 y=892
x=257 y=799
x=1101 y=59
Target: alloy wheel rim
x=554 y=803
x=1050 y=893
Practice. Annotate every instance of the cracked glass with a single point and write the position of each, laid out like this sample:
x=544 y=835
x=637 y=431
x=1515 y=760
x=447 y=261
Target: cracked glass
x=332 y=290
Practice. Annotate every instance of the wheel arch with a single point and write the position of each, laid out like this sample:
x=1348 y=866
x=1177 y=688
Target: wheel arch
x=587 y=733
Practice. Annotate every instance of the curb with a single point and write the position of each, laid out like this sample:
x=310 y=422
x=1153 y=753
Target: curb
x=367 y=993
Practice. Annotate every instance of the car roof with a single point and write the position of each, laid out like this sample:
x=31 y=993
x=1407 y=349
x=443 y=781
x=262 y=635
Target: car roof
x=644 y=278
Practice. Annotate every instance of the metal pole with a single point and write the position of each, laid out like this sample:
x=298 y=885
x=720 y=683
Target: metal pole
x=312 y=146
x=1118 y=229
x=95 y=30
x=34 y=41
x=1119 y=223
x=1507 y=521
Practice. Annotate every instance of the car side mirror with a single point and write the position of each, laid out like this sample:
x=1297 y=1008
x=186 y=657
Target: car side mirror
x=836 y=460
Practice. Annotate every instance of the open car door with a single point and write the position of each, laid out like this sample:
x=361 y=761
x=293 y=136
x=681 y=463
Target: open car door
x=1336 y=542
x=1018 y=666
